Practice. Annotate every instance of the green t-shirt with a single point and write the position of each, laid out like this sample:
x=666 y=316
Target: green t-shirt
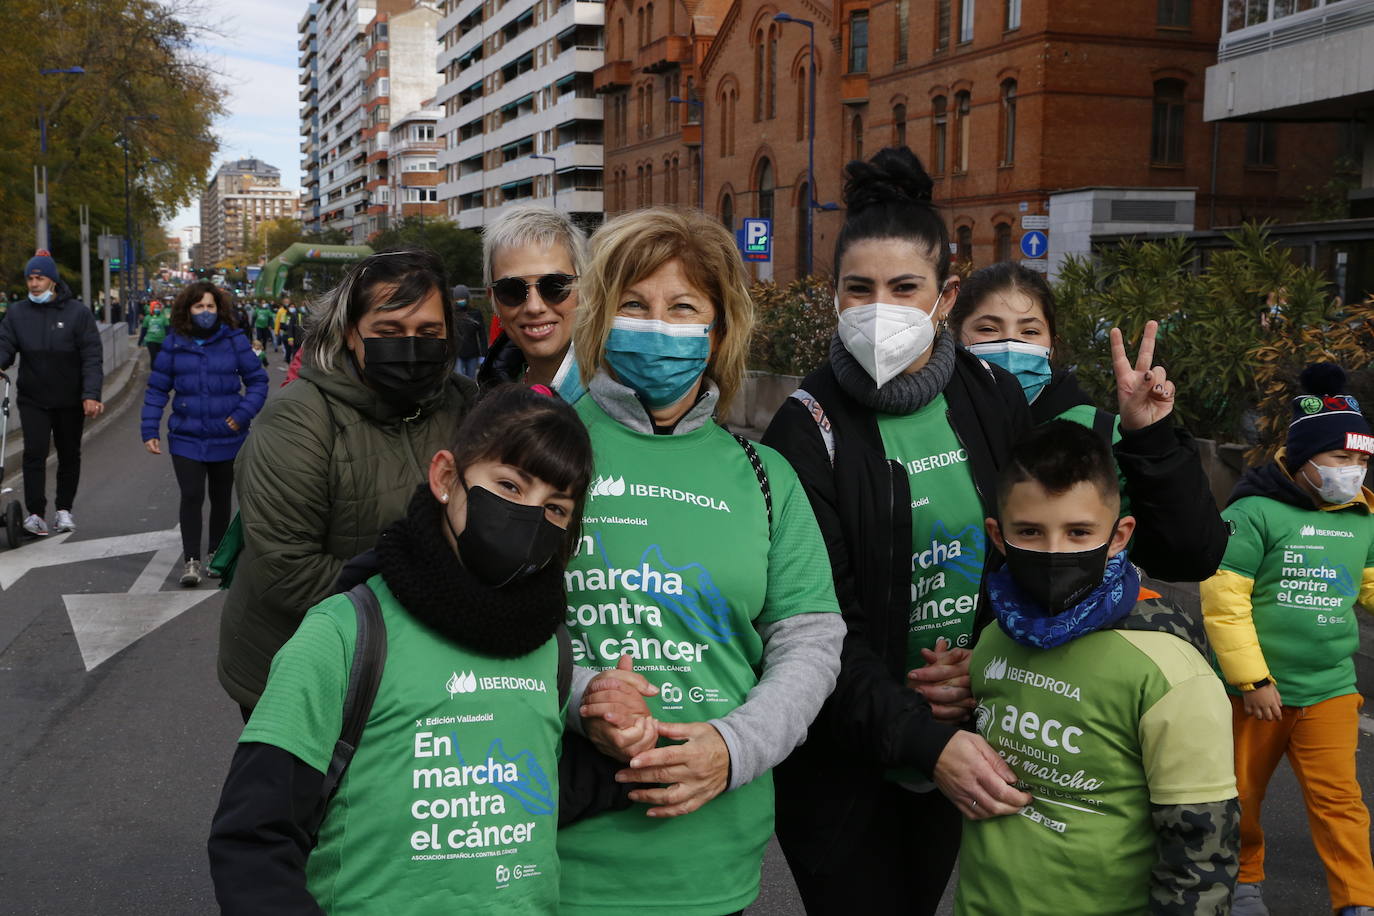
x=948 y=542
x=450 y=803
x=1096 y=731
x=262 y=318
x=1307 y=566
x=676 y=567
x=155 y=327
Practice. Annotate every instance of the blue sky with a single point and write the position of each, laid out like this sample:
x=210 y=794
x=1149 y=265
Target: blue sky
x=256 y=57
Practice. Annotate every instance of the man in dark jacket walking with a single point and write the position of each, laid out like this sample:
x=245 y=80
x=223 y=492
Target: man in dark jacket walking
x=469 y=332
x=59 y=386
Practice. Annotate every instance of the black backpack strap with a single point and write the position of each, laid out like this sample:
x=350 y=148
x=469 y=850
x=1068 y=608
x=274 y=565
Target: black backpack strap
x=565 y=665
x=760 y=473
x=1103 y=425
x=364 y=677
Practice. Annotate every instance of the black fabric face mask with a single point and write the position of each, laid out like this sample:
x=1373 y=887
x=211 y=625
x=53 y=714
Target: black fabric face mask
x=405 y=369
x=505 y=541
x=1057 y=581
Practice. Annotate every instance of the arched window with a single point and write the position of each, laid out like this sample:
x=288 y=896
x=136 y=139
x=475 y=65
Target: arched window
x=639 y=186
x=903 y=25
x=639 y=24
x=803 y=86
x=771 y=106
x=1008 y=122
x=725 y=125
x=961 y=131
x=939 y=134
x=620 y=38
x=649 y=110
x=856 y=137
x=759 y=86
x=899 y=125
x=963 y=244
x=639 y=120
x=1001 y=242
x=1166 y=129
x=803 y=239
x=765 y=186
x=727 y=212
x=648 y=23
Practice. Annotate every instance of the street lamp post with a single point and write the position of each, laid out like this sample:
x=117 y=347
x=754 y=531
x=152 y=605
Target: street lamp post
x=810 y=137
x=130 y=313
x=553 y=175
x=40 y=172
x=700 y=106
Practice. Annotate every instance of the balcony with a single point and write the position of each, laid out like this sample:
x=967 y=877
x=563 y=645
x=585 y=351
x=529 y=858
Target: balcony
x=665 y=53
x=691 y=134
x=612 y=75
x=853 y=88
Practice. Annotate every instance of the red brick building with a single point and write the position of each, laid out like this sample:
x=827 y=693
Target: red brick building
x=1006 y=101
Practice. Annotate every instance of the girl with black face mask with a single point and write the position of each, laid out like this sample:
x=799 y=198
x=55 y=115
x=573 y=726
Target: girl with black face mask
x=337 y=454
x=460 y=754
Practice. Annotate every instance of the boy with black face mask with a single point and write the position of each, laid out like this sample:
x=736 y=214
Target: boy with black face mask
x=1096 y=693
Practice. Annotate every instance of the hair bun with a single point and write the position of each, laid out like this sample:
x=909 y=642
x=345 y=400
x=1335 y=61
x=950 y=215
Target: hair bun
x=1323 y=378
x=893 y=175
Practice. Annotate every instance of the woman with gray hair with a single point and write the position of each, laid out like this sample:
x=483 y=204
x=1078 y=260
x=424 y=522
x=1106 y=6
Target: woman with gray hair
x=335 y=456
x=532 y=257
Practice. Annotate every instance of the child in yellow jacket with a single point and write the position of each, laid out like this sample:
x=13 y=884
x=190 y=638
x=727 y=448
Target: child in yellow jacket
x=1280 y=614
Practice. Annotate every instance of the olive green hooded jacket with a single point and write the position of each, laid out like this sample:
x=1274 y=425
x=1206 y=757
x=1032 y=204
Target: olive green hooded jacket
x=329 y=465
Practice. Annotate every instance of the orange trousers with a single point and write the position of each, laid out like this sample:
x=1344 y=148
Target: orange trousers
x=1320 y=742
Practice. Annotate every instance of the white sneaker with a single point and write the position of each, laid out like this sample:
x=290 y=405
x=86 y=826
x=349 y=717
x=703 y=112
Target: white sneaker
x=36 y=526
x=191 y=577
x=64 y=521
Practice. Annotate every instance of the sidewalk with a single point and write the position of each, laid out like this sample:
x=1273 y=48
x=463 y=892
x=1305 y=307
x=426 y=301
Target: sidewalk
x=119 y=386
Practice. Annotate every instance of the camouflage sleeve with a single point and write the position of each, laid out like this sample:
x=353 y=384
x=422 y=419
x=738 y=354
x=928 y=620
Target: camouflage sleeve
x=1197 y=858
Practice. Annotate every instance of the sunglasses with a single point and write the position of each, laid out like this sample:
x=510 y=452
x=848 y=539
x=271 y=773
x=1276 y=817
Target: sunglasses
x=513 y=291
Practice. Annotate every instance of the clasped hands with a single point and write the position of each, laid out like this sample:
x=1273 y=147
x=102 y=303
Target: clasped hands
x=677 y=778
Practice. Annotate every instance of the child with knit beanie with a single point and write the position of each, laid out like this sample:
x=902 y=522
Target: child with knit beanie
x=1280 y=614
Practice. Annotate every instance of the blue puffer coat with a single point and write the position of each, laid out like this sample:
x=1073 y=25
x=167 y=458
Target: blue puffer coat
x=209 y=379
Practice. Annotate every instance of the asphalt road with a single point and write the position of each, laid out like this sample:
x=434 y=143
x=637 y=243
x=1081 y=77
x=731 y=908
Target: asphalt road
x=116 y=735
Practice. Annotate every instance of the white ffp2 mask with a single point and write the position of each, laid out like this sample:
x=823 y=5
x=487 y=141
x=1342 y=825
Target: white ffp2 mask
x=1339 y=485
x=885 y=338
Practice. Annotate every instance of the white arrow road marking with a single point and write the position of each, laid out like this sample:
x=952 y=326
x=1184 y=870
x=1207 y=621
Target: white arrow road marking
x=51 y=551
x=107 y=624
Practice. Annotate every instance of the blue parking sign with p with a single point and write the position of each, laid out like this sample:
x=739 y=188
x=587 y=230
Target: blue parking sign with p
x=756 y=240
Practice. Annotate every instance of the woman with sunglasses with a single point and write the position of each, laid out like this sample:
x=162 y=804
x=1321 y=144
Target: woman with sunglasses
x=701 y=558
x=335 y=456
x=531 y=258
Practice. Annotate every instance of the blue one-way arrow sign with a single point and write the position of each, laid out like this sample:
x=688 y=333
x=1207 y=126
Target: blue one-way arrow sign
x=1034 y=244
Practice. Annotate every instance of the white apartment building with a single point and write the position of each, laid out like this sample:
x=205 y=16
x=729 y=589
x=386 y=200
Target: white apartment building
x=517 y=85
x=244 y=194
x=343 y=40
x=309 y=77
x=413 y=166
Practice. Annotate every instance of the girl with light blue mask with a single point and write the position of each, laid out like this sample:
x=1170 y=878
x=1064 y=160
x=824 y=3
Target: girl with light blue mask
x=1005 y=314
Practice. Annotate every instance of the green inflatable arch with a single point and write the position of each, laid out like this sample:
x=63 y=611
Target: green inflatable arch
x=272 y=280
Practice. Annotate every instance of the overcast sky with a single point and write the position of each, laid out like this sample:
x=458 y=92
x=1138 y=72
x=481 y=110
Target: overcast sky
x=257 y=59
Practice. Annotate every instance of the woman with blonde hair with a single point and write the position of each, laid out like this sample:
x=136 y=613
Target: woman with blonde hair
x=699 y=557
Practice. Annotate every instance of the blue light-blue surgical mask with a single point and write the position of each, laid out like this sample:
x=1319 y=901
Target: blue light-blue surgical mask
x=42 y=298
x=660 y=360
x=1029 y=362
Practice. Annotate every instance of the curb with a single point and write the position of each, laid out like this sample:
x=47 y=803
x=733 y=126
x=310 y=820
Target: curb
x=115 y=395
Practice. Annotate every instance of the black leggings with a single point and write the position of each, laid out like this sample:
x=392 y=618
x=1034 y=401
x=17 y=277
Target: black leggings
x=191 y=476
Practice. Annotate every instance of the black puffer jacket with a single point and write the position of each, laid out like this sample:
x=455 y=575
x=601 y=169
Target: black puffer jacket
x=504 y=363
x=62 y=361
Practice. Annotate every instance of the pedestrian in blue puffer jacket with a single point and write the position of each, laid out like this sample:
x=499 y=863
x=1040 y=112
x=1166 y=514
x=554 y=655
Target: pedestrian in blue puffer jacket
x=219 y=386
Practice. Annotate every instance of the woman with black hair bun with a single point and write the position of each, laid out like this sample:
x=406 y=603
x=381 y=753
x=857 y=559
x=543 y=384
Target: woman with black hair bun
x=897 y=439
x=1005 y=314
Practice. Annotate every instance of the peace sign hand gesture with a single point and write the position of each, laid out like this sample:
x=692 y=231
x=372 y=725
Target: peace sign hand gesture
x=1143 y=393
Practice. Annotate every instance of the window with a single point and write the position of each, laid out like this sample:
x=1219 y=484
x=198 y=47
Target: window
x=765 y=186
x=422 y=132
x=648 y=23
x=771 y=102
x=639 y=24
x=858 y=41
x=803 y=237
x=649 y=109
x=620 y=38
x=961 y=131
x=1259 y=145
x=725 y=125
x=899 y=125
x=648 y=184
x=1013 y=20
x=639 y=186
x=939 y=135
x=1008 y=122
x=1166 y=129
x=1174 y=14
x=803 y=86
x=727 y=212
x=965 y=21
x=963 y=244
x=856 y=137
x=903 y=27
x=1001 y=248
x=758 y=76
x=942 y=21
